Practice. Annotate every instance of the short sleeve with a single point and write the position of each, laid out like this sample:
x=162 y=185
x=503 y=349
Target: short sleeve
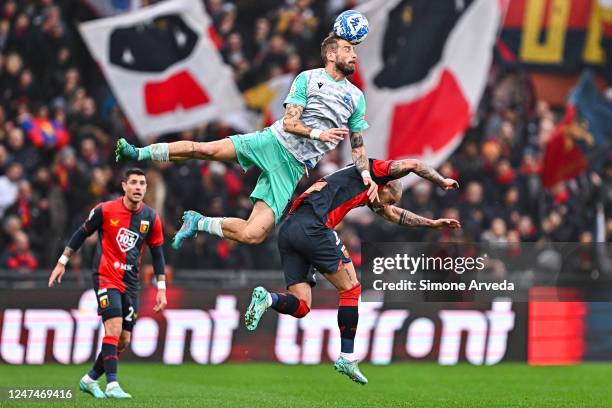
x=94 y=220
x=381 y=171
x=156 y=236
x=297 y=93
x=357 y=122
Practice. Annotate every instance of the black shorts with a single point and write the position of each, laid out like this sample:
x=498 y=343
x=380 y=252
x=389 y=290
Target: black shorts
x=113 y=303
x=306 y=245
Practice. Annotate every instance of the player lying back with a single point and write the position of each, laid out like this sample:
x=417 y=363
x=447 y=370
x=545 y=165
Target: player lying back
x=308 y=239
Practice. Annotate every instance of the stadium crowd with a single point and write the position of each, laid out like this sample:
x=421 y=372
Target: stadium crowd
x=59 y=122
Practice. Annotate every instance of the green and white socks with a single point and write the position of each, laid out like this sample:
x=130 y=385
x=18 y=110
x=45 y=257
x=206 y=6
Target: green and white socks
x=212 y=225
x=155 y=152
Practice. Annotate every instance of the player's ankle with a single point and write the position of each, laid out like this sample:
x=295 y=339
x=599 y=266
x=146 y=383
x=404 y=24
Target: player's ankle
x=348 y=356
x=111 y=385
x=87 y=379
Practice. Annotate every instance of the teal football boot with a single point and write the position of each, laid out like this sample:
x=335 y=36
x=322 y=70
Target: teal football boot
x=351 y=370
x=125 y=151
x=257 y=307
x=92 y=388
x=189 y=229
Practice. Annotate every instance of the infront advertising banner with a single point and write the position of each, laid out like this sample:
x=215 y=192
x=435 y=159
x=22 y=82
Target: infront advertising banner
x=205 y=326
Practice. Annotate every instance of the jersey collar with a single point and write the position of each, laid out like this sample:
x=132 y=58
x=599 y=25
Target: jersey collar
x=342 y=81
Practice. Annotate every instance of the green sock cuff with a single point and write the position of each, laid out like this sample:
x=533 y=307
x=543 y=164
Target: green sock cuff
x=144 y=153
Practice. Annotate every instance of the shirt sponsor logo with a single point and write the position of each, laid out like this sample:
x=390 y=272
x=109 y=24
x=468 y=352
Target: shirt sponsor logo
x=126 y=239
x=122 y=266
x=114 y=223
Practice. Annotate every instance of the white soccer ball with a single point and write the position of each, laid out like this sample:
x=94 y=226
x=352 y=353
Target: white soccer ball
x=352 y=26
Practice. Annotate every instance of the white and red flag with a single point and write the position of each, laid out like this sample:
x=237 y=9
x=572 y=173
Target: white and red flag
x=163 y=67
x=423 y=69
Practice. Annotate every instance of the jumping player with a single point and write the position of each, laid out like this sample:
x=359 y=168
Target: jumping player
x=321 y=105
x=123 y=226
x=307 y=238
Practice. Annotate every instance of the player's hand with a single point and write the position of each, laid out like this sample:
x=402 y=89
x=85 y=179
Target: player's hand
x=334 y=135
x=372 y=189
x=160 y=301
x=446 y=223
x=449 y=184
x=56 y=274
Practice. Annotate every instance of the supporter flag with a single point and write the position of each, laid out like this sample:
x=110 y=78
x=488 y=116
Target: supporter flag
x=112 y=7
x=44 y=132
x=563 y=158
x=424 y=67
x=593 y=107
x=268 y=97
x=163 y=67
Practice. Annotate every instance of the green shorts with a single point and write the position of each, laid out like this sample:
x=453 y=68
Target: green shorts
x=281 y=172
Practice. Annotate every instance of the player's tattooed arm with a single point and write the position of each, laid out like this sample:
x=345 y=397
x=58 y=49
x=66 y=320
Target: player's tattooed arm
x=404 y=217
x=292 y=122
x=362 y=164
x=400 y=168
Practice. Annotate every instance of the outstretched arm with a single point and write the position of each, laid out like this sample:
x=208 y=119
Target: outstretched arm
x=400 y=168
x=402 y=216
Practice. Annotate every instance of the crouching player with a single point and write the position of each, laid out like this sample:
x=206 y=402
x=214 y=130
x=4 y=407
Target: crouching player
x=123 y=226
x=307 y=239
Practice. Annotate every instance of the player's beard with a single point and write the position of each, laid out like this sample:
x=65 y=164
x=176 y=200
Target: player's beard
x=346 y=69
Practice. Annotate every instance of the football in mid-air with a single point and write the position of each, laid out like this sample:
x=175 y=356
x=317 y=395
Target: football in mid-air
x=352 y=26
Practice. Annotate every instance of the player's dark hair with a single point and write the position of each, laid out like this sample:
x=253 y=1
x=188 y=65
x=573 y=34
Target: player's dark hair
x=329 y=43
x=133 y=170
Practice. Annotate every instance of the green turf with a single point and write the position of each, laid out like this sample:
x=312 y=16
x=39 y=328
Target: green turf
x=280 y=386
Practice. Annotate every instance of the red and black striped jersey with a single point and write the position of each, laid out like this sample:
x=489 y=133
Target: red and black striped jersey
x=344 y=191
x=121 y=235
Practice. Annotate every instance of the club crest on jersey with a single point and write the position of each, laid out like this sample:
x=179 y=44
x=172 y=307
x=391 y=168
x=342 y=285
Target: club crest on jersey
x=347 y=99
x=104 y=301
x=126 y=239
x=144 y=226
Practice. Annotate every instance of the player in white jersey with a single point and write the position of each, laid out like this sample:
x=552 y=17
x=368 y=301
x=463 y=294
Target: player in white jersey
x=322 y=108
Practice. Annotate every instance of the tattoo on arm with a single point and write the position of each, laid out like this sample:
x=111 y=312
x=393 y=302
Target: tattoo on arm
x=404 y=217
x=400 y=168
x=358 y=152
x=292 y=122
x=429 y=173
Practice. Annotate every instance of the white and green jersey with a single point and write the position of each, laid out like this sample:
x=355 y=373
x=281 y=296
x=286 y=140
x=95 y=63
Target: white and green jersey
x=327 y=104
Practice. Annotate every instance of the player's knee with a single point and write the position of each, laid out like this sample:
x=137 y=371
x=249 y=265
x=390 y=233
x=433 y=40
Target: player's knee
x=112 y=327
x=350 y=296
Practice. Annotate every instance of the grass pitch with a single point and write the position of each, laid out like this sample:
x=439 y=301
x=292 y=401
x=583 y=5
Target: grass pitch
x=275 y=385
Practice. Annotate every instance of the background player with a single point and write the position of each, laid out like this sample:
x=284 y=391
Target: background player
x=307 y=239
x=123 y=226
x=321 y=104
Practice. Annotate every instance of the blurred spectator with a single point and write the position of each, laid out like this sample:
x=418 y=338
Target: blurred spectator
x=17 y=256
x=9 y=186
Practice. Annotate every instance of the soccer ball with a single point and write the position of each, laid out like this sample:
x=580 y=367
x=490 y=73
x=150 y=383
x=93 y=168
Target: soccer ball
x=352 y=26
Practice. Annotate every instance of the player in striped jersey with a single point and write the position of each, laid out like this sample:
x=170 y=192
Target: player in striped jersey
x=307 y=239
x=123 y=225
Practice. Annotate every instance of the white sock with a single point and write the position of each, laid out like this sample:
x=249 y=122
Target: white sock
x=112 y=385
x=212 y=225
x=87 y=379
x=269 y=299
x=348 y=356
x=159 y=152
